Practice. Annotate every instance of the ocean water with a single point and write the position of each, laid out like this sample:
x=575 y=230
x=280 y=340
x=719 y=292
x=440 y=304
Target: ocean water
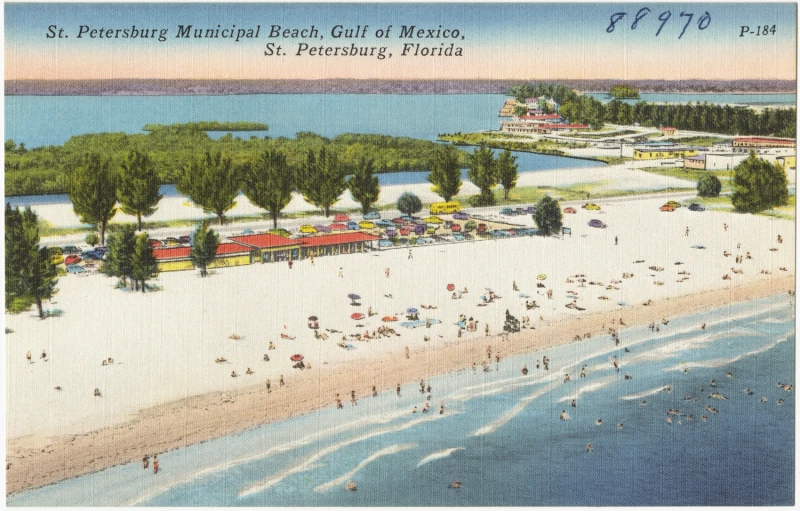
x=48 y=120
x=501 y=436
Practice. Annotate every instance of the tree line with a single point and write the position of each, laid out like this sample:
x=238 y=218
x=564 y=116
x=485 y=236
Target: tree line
x=43 y=170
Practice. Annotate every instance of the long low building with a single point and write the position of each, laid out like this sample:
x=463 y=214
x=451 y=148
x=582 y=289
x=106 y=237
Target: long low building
x=267 y=248
x=655 y=153
x=539 y=127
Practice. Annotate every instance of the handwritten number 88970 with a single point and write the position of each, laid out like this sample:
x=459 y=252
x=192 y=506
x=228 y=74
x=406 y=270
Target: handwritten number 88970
x=702 y=22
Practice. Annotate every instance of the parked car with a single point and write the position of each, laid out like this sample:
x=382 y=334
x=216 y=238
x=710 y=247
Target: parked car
x=431 y=229
x=402 y=241
x=173 y=242
x=385 y=224
x=419 y=221
x=591 y=206
x=372 y=215
x=385 y=243
x=75 y=268
x=338 y=227
x=696 y=207
x=522 y=211
x=398 y=221
x=570 y=211
x=322 y=228
x=244 y=233
x=508 y=212
x=482 y=228
x=455 y=228
x=280 y=232
x=667 y=207
x=458 y=237
x=674 y=204
x=155 y=243
x=406 y=218
x=352 y=226
x=57 y=258
x=432 y=220
x=308 y=229
x=460 y=216
x=597 y=223
x=92 y=256
x=70 y=249
x=391 y=233
x=470 y=226
x=72 y=259
x=341 y=217
x=448 y=224
x=424 y=241
x=364 y=224
x=530 y=210
x=404 y=231
x=419 y=229
x=100 y=249
x=56 y=250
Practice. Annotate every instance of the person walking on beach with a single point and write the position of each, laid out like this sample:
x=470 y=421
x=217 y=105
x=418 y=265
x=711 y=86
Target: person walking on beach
x=725 y=227
x=311 y=256
x=398 y=390
x=374 y=391
x=386 y=271
x=407 y=353
x=687 y=230
x=281 y=383
x=28 y=356
x=410 y=254
x=340 y=272
x=155 y=464
x=145 y=461
x=290 y=264
x=486 y=329
x=269 y=386
x=353 y=401
x=616 y=241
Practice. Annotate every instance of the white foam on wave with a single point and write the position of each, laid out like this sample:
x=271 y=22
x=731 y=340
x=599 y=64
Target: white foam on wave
x=507 y=416
x=393 y=449
x=312 y=460
x=439 y=455
x=720 y=362
x=589 y=387
x=671 y=349
x=646 y=393
x=295 y=444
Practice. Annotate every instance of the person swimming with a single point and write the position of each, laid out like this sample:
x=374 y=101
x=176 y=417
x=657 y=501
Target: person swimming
x=589 y=448
x=564 y=416
x=599 y=422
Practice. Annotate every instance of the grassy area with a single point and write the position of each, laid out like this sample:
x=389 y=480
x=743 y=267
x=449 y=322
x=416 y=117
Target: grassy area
x=600 y=134
x=692 y=174
x=613 y=160
x=699 y=141
x=500 y=141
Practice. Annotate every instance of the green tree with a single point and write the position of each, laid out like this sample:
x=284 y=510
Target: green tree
x=584 y=109
x=92 y=188
x=758 y=185
x=545 y=107
x=520 y=110
x=143 y=263
x=212 y=182
x=204 y=247
x=138 y=186
x=363 y=185
x=623 y=91
x=548 y=216
x=322 y=179
x=269 y=183
x=445 y=173
x=408 y=203
x=708 y=186
x=31 y=276
x=483 y=174
x=92 y=239
x=119 y=259
x=10 y=145
x=507 y=171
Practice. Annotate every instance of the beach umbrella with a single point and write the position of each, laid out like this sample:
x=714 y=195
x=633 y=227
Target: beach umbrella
x=356 y=315
x=451 y=287
x=541 y=276
x=296 y=357
x=312 y=318
x=411 y=310
x=353 y=296
x=389 y=318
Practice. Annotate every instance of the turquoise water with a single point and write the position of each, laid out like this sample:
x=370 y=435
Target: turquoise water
x=501 y=435
x=46 y=120
x=784 y=100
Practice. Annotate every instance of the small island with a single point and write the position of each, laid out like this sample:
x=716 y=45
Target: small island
x=622 y=91
x=211 y=126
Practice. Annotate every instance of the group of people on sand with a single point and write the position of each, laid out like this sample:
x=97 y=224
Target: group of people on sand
x=146 y=462
x=43 y=357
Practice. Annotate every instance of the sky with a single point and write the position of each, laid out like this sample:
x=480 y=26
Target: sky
x=497 y=41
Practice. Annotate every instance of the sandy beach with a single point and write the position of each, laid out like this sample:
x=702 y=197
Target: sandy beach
x=36 y=461
x=165 y=390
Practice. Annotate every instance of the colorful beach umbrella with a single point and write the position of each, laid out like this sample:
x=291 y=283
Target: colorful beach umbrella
x=451 y=287
x=411 y=310
x=312 y=318
x=296 y=357
x=353 y=296
x=356 y=315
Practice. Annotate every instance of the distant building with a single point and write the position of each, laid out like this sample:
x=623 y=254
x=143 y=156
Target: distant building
x=539 y=128
x=508 y=108
x=788 y=162
x=667 y=130
x=723 y=161
x=764 y=145
x=655 y=153
x=695 y=162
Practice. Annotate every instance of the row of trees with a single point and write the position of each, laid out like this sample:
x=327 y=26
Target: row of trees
x=130 y=256
x=44 y=169
x=713 y=118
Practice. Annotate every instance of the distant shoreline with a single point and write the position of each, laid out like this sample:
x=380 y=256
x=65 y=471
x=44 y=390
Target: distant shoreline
x=37 y=461
x=165 y=87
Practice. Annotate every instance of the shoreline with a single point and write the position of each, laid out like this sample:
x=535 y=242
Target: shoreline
x=35 y=461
